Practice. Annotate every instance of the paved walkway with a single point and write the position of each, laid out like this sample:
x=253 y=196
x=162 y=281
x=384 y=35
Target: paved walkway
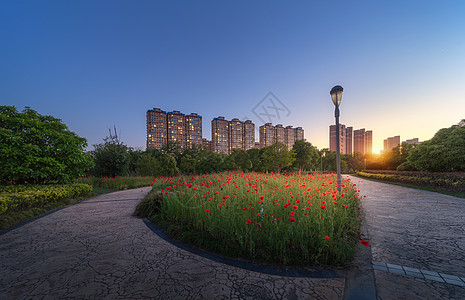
x=417 y=240
x=97 y=250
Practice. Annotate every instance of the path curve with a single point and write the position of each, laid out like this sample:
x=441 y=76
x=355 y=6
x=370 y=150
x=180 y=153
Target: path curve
x=417 y=240
x=97 y=250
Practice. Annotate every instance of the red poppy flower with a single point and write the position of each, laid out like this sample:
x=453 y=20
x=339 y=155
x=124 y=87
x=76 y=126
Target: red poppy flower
x=207 y=210
x=295 y=207
x=363 y=242
x=326 y=237
x=322 y=207
x=292 y=219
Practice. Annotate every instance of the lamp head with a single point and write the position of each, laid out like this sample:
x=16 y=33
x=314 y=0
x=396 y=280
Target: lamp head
x=336 y=95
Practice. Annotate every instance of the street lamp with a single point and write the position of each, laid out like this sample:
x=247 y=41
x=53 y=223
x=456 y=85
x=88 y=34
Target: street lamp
x=336 y=96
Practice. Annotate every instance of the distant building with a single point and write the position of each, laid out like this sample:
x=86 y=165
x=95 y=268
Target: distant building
x=193 y=124
x=348 y=143
x=156 y=128
x=368 y=141
x=236 y=134
x=299 y=134
x=257 y=145
x=220 y=135
x=249 y=135
x=332 y=138
x=267 y=135
x=174 y=126
x=289 y=137
x=413 y=141
x=279 y=133
x=391 y=142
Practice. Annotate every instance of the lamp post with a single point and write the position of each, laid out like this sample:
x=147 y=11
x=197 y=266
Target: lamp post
x=336 y=96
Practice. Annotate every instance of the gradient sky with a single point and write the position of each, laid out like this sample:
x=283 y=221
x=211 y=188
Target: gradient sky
x=96 y=64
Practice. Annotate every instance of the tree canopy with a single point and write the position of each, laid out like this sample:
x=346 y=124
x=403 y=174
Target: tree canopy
x=39 y=149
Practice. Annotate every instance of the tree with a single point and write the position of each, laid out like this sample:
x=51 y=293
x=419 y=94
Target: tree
x=444 y=152
x=277 y=157
x=254 y=156
x=168 y=165
x=209 y=162
x=241 y=160
x=187 y=164
x=148 y=165
x=110 y=157
x=306 y=156
x=354 y=163
x=39 y=149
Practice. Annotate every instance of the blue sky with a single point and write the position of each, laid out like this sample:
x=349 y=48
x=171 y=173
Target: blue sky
x=95 y=64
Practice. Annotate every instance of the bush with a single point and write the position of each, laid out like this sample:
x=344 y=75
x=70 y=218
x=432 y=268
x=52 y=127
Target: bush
x=20 y=197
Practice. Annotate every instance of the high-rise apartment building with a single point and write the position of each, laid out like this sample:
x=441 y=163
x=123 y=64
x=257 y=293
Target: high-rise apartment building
x=193 y=123
x=332 y=138
x=236 y=134
x=368 y=141
x=156 y=128
x=220 y=135
x=289 y=137
x=413 y=141
x=359 y=141
x=176 y=128
x=391 y=142
x=348 y=142
x=249 y=135
x=279 y=133
x=173 y=126
x=267 y=135
x=299 y=134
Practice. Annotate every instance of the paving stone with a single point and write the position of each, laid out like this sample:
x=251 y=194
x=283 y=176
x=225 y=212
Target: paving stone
x=414 y=274
x=392 y=266
x=448 y=276
x=456 y=282
x=397 y=271
x=430 y=273
x=412 y=270
x=435 y=278
x=380 y=268
x=378 y=263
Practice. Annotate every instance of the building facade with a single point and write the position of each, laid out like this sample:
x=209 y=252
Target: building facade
x=332 y=138
x=236 y=134
x=249 y=135
x=279 y=133
x=289 y=137
x=220 y=135
x=156 y=128
x=299 y=134
x=391 y=142
x=193 y=124
x=174 y=126
x=349 y=141
x=267 y=135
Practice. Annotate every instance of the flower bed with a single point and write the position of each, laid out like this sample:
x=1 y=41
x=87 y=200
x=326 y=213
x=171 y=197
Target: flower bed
x=285 y=219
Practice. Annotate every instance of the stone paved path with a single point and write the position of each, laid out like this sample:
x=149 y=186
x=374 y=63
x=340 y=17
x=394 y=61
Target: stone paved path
x=419 y=230
x=97 y=250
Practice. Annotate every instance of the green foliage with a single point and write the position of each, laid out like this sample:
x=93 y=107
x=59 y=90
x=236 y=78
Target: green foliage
x=254 y=156
x=277 y=157
x=148 y=165
x=209 y=162
x=39 y=149
x=306 y=156
x=454 y=182
x=168 y=165
x=445 y=152
x=21 y=197
x=241 y=160
x=117 y=183
x=110 y=157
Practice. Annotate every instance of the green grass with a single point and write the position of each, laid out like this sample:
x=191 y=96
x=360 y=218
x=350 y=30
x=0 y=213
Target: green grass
x=419 y=187
x=271 y=218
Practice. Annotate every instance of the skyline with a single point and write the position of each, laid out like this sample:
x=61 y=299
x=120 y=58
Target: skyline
x=104 y=63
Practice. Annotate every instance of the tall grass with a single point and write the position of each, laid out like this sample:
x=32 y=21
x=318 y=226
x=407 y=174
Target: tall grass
x=117 y=183
x=288 y=219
